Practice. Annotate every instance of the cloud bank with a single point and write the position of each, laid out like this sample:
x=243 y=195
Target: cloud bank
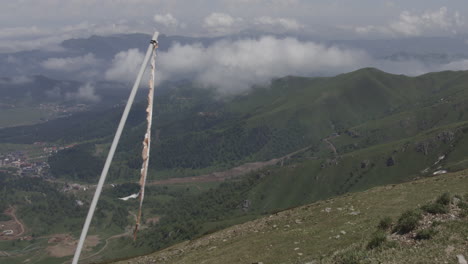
x=125 y=66
x=283 y=23
x=85 y=93
x=221 y=22
x=167 y=20
x=437 y=22
x=233 y=67
x=414 y=25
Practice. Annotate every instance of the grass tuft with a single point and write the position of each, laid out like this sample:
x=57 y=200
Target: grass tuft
x=444 y=199
x=425 y=234
x=435 y=208
x=377 y=240
x=350 y=257
x=385 y=223
x=408 y=221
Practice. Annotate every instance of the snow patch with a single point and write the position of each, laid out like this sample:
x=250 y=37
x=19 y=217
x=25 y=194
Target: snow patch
x=133 y=196
x=439 y=172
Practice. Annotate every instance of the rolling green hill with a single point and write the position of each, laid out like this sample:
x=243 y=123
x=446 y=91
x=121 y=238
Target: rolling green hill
x=198 y=133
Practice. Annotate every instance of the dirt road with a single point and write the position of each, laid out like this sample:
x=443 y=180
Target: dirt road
x=126 y=233
x=15 y=225
x=330 y=144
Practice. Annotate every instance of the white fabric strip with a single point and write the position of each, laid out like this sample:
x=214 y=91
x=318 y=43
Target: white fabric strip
x=146 y=141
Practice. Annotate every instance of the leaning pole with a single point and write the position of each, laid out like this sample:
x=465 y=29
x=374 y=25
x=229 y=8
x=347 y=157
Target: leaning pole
x=115 y=142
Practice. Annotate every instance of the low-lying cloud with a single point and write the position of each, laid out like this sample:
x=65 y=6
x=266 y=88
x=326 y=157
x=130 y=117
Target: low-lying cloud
x=167 y=20
x=221 y=23
x=281 y=23
x=233 y=67
x=85 y=93
x=125 y=66
x=436 y=22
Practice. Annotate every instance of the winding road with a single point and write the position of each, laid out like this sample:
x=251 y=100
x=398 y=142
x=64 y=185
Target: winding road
x=12 y=212
x=126 y=233
x=330 y=144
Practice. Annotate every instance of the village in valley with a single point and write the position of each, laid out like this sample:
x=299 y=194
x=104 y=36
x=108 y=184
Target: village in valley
x=31 y=162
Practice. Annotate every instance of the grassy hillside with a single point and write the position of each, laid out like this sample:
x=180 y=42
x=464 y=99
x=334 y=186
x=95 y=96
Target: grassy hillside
x=327 y=231
x=195 y=133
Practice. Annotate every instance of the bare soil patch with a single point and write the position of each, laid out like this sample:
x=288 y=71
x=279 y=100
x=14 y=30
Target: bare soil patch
x=12 y=229
x=153 y=220
x=65 y=245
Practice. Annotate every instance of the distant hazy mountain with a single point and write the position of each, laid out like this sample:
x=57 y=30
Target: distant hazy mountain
x=40 y=89
x=419 y=45
x=428 y=58
x=107 y=47
x=102 y=48
x=433 y=50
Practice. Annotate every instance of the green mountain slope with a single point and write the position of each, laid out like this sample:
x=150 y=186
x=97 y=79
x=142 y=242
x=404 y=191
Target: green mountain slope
x=196 y=133
x=297 y=112
x=326 y=231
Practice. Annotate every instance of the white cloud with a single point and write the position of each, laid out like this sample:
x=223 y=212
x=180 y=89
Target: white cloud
x=125 y=66
x=70 y=64
x=459 y=65
x=13 y=39
x=414 y=25
x=284 y=23
x=21 y=32
x=365 y=29
x=233 y=67
x=85 y=93
x=48 y=43
x=220 y=22
x=436 y=22
x=167 y=20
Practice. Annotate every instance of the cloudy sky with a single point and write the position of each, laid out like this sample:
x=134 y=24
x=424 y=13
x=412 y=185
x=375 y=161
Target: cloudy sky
x=231 y=66
x=49 y=21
